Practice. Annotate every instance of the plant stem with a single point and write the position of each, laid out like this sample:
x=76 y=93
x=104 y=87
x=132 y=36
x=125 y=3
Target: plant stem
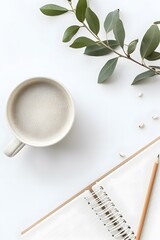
x=126 y=56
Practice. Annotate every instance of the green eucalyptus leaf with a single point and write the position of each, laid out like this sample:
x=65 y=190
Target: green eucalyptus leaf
x=82 y=42
x=119 y=32
x=99 y=49
x=144 y=75
x=81 y=10
x=132 y=46
x=111 y=17
x=153 y=56
x=53 y=10
x=150 y=41
x=157 y=22
x=107 y=70
x=92 y=20
x=70 y=32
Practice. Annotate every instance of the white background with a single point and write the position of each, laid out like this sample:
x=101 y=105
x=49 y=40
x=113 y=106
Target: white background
x=107 y=116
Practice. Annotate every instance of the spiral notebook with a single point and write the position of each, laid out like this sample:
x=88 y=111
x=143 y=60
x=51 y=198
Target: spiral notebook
x=110 y=207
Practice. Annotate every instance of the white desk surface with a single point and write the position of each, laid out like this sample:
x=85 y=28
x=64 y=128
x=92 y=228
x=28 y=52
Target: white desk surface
x=107 y=116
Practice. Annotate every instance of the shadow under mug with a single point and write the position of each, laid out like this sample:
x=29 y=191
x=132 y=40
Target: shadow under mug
x=40 y=112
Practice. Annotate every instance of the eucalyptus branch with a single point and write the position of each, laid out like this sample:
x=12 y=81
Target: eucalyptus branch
x=94 y=35
x=126 y=56
x=90 y=22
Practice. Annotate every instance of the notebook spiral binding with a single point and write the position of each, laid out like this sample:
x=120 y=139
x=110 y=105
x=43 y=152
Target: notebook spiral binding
x=109 y=215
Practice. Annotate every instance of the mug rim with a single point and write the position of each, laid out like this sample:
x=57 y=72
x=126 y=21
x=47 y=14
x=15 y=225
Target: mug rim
x=18 y=89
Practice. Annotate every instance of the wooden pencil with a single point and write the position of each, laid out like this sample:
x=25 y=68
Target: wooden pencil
x=147 y=199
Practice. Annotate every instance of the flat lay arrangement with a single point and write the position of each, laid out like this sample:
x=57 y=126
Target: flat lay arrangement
x=73 y=169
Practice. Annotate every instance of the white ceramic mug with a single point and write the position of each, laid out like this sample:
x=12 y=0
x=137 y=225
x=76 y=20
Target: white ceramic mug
x=40 y=112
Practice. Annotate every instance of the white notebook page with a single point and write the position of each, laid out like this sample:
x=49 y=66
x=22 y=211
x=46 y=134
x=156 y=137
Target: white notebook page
x=127 y=188
x=75 y=221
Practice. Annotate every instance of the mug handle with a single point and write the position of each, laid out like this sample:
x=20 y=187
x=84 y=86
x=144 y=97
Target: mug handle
x=14 y=147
